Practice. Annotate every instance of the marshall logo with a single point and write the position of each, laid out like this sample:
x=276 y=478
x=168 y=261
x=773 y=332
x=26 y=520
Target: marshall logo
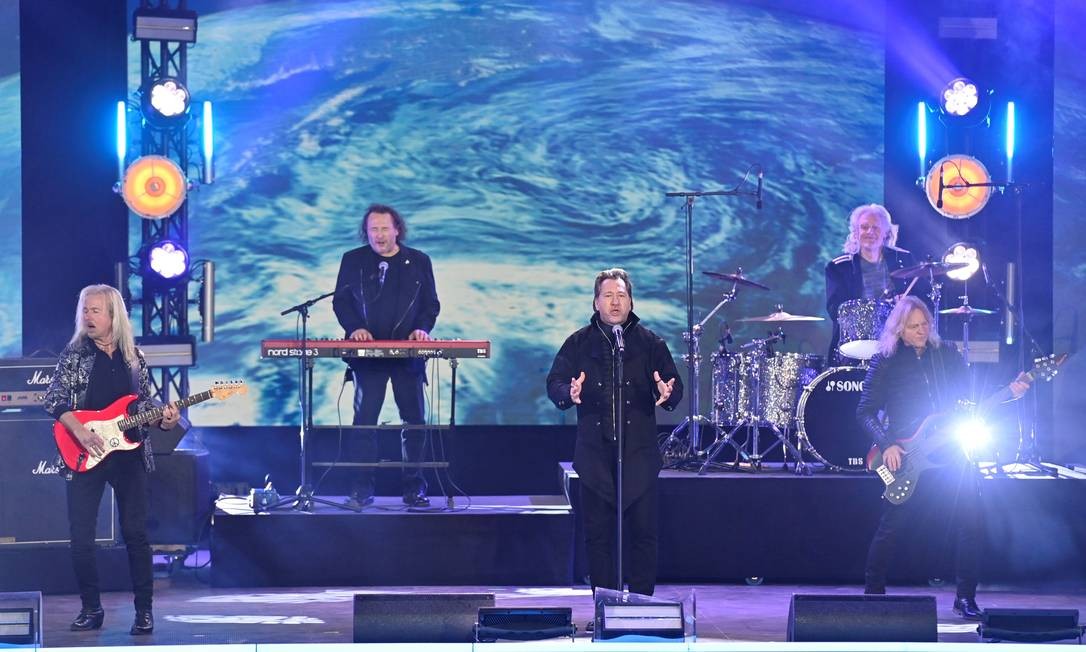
x=45 y=468
x=40 y=377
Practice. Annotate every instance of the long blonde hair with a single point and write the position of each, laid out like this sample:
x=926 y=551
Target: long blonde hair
x=895 y=325
x=852 y=242
x=118 y=316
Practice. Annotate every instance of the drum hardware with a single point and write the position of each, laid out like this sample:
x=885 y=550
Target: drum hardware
x=694 y=421
x=749 y=393
x=966 y=313
x=781 y=316
x=674 y=450
x=931 y=269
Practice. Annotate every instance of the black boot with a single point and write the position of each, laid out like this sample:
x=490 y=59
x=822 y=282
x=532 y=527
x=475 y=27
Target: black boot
x=88 y=619
x=967 y=608
x=144 y=624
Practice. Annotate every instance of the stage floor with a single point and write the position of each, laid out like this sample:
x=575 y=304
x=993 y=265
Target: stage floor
x=188 y=612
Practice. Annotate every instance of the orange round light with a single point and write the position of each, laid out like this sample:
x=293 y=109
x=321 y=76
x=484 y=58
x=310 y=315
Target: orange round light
x=154 y=187
x=959 y=200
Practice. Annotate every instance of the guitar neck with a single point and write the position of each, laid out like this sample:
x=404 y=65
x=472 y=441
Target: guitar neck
x=154 y=414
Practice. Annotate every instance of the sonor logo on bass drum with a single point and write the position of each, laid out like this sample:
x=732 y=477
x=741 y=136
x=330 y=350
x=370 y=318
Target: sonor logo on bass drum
x=845 y=386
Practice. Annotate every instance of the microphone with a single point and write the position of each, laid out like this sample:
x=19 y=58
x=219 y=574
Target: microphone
x=942 y=186
x=758 y=202
x=619 y=342
x=382 y=269
x=984 y=268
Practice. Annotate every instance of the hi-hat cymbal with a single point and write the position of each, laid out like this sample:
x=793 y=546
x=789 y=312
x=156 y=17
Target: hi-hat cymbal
x=782 y=316
x=924 y=269
x=736 y=278
x=966 y=311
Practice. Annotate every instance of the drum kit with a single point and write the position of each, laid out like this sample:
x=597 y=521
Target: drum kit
x=808 y=408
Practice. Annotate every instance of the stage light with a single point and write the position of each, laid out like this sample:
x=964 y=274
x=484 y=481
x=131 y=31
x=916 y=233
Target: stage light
x=168 y=260
x=208 y=144
x=960 y=96
x=958 y=186
x=165 y=102
x=1010 y=141
x=153 y=187
x=922 y=134
x=962 y=252
x=973 y=434
x=122 y=138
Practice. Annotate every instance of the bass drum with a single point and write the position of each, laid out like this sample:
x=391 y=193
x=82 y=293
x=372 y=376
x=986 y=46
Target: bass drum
x=826 y=419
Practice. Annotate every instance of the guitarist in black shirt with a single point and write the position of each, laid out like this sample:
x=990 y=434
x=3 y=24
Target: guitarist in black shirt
x=912 y=377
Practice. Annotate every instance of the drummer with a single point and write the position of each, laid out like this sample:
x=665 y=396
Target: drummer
x=864 y=271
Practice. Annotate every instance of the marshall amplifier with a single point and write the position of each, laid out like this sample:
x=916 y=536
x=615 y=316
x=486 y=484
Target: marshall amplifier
x=33 y=504
x=23 y=381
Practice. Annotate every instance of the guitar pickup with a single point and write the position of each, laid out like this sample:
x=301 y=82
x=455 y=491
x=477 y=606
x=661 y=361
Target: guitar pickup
x=885 y=475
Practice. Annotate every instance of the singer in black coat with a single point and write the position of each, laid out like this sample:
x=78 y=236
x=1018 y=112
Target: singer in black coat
x=592 y=350
x=386 y=291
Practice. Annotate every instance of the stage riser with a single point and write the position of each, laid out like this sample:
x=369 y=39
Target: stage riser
x=340 y=549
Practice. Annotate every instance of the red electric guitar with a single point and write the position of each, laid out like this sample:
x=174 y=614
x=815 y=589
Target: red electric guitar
x=111 y=423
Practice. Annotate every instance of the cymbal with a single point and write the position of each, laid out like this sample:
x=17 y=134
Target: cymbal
x=922 y=269
x=736 y=278
x=966 y=311
x=782 y=316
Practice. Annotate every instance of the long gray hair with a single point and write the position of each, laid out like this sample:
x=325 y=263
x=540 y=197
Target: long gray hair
x=852 y=242
x=118 y=316
x=895 y=325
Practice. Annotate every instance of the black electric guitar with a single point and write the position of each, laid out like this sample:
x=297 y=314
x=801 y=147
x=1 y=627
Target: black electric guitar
x=922 y=450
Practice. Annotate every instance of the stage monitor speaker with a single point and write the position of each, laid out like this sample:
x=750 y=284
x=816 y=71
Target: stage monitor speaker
x=524 y=623
x=1030 y=625
x=33 y=501
x=862 y=618
x=417 y=617
x=20 y=618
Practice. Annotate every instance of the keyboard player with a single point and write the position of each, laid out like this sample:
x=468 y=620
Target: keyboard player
x=386 y=291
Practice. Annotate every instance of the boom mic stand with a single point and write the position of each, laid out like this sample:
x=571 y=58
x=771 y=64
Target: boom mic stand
x=694 y=420
x=303 y=498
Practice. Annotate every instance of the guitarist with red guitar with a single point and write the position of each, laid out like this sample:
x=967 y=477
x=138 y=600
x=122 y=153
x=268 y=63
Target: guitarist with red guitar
x=98 y=368
x=913 y=377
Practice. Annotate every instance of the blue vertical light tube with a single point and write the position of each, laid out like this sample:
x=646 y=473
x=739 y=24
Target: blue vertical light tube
x=1010 y=141
x=208 y=144
x=122 y=139
x=922 y=137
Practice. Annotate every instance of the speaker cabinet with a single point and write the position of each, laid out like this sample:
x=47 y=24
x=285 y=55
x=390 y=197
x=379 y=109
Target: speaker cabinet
x=33 y=492
x=1030 y=625
x=417 y=617
x=862 y=618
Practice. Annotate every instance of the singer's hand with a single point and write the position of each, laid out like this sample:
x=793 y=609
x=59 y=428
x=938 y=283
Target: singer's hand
x=575 y=388
x=419 y=334
x=663 y=388
x=361 y=335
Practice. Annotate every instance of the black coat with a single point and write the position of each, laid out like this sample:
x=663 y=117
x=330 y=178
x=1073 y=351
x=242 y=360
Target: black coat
x=845 y=281
x=416 y=305
x=591 y=350
x=908 y=388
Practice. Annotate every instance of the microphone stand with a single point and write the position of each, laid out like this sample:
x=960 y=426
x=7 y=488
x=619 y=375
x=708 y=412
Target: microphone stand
x=620 y=431
x=303 y=498
x=693 y=421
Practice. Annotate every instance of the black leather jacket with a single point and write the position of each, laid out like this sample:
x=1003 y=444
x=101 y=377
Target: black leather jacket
x=907 y=387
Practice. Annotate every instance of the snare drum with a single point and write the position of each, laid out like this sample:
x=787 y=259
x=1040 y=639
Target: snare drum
x=785 y=376
x=826 y=418
x=735 y=379
x=861 y=322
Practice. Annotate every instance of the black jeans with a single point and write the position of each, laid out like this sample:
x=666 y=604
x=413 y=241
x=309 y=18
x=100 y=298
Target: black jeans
x=954 y=489
x=370 y=386
x=639 y=532
x=124 y=471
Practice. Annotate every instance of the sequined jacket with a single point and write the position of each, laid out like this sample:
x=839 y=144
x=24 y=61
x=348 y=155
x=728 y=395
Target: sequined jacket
x=68 y=391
